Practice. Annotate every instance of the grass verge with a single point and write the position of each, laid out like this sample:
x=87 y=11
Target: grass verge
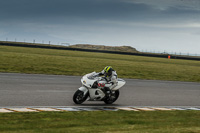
x=102 y=121
x=49 y=61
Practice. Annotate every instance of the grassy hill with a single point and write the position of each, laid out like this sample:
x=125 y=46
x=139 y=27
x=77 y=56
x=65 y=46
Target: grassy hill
x=102 y=47
x=78 y=46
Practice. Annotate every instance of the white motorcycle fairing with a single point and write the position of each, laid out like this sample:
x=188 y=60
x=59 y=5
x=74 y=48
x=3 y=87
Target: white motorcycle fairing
x=90 y=89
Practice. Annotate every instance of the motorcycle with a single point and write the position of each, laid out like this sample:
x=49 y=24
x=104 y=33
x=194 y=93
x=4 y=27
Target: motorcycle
x=93 y=89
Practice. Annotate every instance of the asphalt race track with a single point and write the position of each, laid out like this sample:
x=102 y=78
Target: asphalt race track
x=56 y=90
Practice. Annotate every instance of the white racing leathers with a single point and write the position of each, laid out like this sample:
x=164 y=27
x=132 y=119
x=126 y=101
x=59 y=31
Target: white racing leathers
x=111 y=80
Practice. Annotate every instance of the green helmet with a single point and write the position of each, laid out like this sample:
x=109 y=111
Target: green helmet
x=108 y=70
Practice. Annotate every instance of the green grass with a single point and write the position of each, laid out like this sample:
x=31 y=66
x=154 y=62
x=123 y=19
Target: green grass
x=64 y=62
x=46 y=61
x=102 y=121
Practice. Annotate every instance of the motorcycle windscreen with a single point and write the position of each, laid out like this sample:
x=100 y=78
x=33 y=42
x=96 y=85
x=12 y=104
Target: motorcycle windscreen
x=120 y=83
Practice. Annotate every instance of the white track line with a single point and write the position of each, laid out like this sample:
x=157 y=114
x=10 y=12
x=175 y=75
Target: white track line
x=46 y=109
x=145 y=109
x=22 y=110
x=162 y=109
x=128 y=109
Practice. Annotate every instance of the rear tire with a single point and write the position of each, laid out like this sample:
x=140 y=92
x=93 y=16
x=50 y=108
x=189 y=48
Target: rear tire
x=79 y=97
x=110 y=100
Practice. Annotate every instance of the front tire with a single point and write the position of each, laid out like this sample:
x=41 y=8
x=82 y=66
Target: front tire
x=113 y=98
x=79 y=97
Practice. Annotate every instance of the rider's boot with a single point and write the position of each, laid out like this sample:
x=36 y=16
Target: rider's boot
x=107 y=92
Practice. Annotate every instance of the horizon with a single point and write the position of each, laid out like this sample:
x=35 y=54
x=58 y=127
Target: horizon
x=143 y=51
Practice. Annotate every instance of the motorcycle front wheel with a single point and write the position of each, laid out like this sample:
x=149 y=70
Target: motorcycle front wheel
x=113 y=98
x=79 y=97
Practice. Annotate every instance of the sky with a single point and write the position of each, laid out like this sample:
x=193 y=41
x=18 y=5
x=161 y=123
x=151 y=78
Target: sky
x=147 y=25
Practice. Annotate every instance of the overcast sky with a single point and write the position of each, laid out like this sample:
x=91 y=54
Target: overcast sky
x=152 y=25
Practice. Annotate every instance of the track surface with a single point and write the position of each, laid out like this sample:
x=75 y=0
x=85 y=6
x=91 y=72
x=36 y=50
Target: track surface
x=53 y=90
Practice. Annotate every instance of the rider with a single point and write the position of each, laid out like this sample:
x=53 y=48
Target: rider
x=111 y=78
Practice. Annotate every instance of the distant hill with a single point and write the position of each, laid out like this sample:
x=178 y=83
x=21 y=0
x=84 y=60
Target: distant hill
x=127 y=50
x=107 y=48
x=79 y=46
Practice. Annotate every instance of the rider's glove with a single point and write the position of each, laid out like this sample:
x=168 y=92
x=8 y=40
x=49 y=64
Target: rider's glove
x=101 y=74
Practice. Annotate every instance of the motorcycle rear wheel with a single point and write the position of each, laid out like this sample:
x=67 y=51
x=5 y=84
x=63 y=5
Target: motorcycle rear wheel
x=110 y=100
x=79 y=97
